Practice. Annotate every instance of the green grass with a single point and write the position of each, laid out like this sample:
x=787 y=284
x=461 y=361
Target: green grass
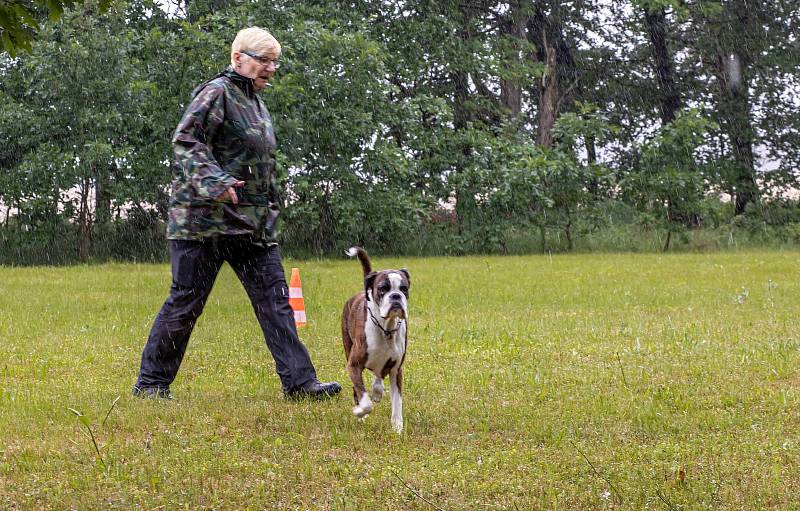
x=572 y=382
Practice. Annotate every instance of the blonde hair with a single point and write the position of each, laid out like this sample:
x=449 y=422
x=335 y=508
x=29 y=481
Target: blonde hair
x=256 y=40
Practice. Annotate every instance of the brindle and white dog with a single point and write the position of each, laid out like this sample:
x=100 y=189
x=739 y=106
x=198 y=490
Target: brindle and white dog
x=374 y=329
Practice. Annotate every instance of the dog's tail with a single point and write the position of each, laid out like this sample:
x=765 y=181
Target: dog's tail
x=362 y=256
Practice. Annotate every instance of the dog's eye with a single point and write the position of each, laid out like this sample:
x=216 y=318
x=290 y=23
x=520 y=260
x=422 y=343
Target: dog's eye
x=404 y=289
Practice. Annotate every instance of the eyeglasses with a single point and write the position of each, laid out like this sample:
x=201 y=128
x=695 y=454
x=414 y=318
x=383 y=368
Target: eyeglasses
x=264 y=61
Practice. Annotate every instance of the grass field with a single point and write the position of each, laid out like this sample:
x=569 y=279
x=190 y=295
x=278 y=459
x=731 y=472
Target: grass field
x=572 y=382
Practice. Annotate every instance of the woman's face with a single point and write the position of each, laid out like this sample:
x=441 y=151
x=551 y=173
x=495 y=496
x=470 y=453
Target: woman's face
x=260 y=68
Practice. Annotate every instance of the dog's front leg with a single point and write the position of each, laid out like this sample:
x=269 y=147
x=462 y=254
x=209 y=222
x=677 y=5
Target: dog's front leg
x=363 y=402
x=396 y=391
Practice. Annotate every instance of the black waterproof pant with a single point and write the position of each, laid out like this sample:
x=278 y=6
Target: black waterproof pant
x=195 y=265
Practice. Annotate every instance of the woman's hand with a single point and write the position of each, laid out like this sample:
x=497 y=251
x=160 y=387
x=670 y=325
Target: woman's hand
x=230 y=193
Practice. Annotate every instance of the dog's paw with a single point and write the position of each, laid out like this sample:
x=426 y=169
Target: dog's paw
x=363 y=407
x=377 y=391
x=397 y=425
x=362 y=411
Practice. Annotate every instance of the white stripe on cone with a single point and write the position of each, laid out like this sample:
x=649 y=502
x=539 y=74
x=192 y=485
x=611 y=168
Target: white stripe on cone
x=299 y=316
x=295 y=292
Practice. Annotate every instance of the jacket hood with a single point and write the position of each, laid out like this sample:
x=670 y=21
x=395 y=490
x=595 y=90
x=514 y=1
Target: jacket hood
x=243 y=82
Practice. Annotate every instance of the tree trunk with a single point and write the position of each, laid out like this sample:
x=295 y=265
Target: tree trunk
x=55 y=199
x=734 y=110
x=325 y=240
x=560 y=76
x=568 y=233
x=84 y=223
x=548 y=98
x=591 y=157
x=461 y=116
x=465 y=199
x=669 y=99
x=511 y=89
x=395 y=129
x=543 y=236
x=102 y=199
x=669 y=96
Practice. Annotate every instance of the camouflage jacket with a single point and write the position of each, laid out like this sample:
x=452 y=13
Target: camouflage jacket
x=225 y=135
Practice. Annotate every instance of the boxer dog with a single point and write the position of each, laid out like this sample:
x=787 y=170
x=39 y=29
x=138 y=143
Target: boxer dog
x=374 y=326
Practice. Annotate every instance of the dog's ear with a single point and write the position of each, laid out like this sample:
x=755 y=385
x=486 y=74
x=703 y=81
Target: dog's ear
x=408 y=280
x=408 y=276
x=368 y=281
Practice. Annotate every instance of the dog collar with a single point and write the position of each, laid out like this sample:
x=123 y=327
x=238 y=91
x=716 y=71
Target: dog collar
x=386 y=333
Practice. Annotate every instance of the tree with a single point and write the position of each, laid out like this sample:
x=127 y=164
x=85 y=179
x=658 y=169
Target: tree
x=669 y=181
x=658 y=32
x=20 y=20
x=547 y=33
x=471 y=118
x=745 y=47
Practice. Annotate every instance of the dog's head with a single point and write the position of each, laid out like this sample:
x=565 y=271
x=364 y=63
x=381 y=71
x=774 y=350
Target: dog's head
x=388 y=289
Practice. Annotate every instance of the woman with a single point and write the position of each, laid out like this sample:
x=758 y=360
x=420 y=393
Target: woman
x=223 y=207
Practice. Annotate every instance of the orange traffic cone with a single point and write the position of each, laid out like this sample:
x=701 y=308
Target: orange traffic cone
x=296 y=298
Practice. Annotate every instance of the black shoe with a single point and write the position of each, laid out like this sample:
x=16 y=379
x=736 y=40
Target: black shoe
x=152 y=392
x=314 y=390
